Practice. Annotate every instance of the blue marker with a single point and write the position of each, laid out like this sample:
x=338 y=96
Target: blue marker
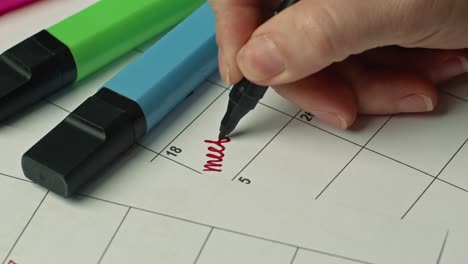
x=128 y=106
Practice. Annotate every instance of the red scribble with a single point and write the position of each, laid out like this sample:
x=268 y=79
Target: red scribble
x=217 y=154
x=11 y=262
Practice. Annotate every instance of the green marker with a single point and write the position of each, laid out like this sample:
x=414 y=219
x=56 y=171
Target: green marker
x=80 y=45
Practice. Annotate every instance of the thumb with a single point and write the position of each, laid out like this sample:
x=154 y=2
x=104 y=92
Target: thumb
x=312 y=34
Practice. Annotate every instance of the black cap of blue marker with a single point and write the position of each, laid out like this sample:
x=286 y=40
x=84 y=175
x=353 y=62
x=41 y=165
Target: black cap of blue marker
x=102 y=127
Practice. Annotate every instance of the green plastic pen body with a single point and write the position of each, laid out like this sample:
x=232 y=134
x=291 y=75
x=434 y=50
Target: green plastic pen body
x=111 y=28
x=80 y=45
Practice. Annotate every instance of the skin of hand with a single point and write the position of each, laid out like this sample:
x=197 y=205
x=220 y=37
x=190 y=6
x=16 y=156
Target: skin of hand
x=341 y=58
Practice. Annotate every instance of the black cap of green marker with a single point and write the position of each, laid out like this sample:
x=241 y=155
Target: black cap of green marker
x=36 y=67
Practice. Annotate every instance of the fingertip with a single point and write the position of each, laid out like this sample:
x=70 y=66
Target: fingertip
x=228 y=69
x=336 y=120
x=438 y=66
x=349 y=116
x=415 y=103
x=386 y=91
x=345 y=114
x=224 y=68
x=448 y=69
x=235 y=22
x=415 y=94
x=260 y=60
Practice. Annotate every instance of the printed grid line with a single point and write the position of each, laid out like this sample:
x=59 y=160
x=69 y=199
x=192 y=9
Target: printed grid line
x=24 y=228
x=341 y=257
x=203 y=246
x=215 y=83
x=164 y=156
x=148 y=149
x=181 y=164
x=337 y=175
x=196 y=118
x=432 y=182
x=400 y=162
x=453 y=185
x=227 y=230
x=329 y=132
x=294 y=256
x=114 y=235
x=439 y=259
x=14 y=177
x=264 y=147
x=347 y=164
x=454 y=95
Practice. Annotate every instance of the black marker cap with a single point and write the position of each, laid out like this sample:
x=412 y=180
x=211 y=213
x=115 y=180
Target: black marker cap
x=243 y=98
x=87 y=141
x=32 y=70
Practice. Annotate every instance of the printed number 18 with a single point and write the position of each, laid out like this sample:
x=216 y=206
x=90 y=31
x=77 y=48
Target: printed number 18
x=173 y=151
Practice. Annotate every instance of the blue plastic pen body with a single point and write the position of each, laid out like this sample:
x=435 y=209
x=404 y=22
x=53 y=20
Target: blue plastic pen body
x=164 y=75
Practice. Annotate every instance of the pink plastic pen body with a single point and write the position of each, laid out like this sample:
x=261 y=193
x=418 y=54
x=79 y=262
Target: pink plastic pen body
x=8 y=5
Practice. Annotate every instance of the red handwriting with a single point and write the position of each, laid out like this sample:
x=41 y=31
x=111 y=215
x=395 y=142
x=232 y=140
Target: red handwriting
x=217 y=154
x=11 y=262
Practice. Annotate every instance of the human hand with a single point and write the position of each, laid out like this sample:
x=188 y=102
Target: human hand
x=339 y=58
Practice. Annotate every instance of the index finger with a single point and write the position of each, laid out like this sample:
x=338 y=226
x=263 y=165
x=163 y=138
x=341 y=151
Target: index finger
x=236 y=20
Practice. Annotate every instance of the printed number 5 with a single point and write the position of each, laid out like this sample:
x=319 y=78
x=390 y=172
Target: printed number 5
x=244 y=180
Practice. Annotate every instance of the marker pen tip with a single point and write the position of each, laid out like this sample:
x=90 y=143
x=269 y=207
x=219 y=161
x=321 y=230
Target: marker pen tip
x=221 y=136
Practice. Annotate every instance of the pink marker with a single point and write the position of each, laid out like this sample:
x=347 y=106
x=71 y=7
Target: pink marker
x=8 y=5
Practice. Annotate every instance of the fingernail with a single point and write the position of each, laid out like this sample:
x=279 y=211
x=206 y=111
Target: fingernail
x=260 y=59
x=333 y=119
x=224 y=67
x=452 y=68
x=415 y=103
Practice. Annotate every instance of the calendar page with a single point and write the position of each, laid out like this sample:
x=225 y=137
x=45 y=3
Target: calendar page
x=284 y=189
